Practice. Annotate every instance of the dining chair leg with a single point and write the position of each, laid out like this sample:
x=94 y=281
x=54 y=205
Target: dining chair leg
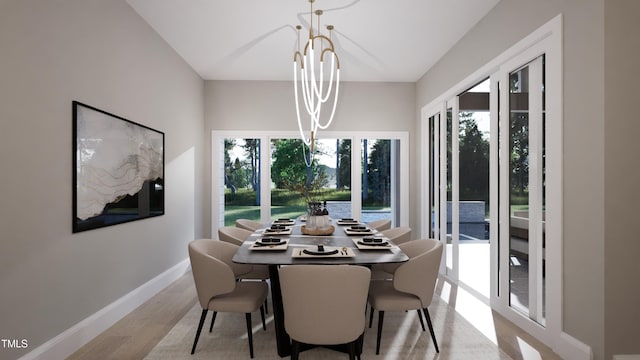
x=433 y=335
x=360 y=343
x=213 y=319
x=295 y=349
x=370 y=317
x=202 y=318
x=266 y=306
x=420 y=317
x=264 y=325
x=380 y=319
x=352 y=350
x=249 y=334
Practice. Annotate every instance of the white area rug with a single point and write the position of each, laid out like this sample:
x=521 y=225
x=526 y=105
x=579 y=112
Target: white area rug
x=402 y=338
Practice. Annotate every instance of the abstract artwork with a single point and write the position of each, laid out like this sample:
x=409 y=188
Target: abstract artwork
x=118 y=169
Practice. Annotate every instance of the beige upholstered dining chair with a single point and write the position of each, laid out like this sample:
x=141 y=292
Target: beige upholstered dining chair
x=325 y=305
x=234 y=235
x=380 y=225
x=237 y=236
x=399 y=235
x=249 y=224
x=412 y=286
x=217 y=287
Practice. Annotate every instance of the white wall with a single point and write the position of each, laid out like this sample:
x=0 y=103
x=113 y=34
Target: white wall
x=269 y=105
x=100 y=53
x=583 y=173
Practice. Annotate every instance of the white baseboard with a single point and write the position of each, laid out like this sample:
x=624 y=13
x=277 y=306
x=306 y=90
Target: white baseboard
x=81 y=333
x=626 y=357
x=571 y=348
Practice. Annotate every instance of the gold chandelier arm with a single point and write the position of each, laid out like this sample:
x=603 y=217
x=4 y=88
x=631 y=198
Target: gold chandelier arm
x=334 y=55
x=298 y=56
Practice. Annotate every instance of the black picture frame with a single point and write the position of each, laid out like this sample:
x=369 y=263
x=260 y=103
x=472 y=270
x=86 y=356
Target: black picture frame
x=118 y=169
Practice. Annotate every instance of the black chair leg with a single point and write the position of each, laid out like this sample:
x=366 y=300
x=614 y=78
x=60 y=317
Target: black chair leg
x=213 y=319
x=359 y=344
x=266 y=306
x=202 y=318
x=433 y=335
x=352 y=350
x=264 y=325
x=380 y=319
x=249 y=334
x=420 y=317
x=295 y=349
x=370 y=317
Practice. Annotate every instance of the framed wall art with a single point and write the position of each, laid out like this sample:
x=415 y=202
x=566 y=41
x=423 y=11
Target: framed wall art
x=118 y=173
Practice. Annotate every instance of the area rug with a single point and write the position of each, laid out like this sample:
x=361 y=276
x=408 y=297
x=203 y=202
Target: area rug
x=402 y=338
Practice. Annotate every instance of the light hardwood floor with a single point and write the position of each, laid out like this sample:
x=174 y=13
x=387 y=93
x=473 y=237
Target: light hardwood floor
x=136 y=334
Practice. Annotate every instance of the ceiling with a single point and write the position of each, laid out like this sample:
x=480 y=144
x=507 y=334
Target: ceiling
x=376 y=40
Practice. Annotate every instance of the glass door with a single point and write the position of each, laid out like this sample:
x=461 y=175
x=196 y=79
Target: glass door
x=473 y=206
x=450 y=190
x=522 y=190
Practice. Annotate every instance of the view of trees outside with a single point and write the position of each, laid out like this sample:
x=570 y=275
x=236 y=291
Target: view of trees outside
x=474 y=159
x=376 y=169
x=519 y=139
x=241 y=179
x=293 y=184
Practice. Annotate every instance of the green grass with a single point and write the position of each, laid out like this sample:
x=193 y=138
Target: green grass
x=284 y=203
x=281 y=197
x=232 y=213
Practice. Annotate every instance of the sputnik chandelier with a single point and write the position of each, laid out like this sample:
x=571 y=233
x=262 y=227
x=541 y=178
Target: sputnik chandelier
x=316 y=91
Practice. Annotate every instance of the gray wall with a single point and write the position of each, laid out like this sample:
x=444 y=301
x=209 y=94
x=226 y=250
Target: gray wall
x=586 y=213
x=622 y=177
x=269 y=105
x=103 y=54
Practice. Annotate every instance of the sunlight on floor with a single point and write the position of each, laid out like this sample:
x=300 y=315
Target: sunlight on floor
x=472 y=309
x=481 y=316
x=527 y=351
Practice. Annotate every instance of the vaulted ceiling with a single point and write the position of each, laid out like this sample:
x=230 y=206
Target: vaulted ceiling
x=376 y=40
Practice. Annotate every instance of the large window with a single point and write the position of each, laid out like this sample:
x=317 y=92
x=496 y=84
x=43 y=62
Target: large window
x=265 y=176
x=241 y=179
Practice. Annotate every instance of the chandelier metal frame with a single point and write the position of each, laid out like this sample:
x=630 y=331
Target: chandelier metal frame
x=310 y=64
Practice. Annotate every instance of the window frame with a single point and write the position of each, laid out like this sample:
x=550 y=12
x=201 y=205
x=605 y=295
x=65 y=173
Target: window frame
x=400 y=205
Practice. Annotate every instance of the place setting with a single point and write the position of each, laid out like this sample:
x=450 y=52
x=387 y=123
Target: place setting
x=285 y=222
x=278 y=229
x=372 y=243
x=270 y=243
x=358 y=230
x=321 y=251
x=347 y=221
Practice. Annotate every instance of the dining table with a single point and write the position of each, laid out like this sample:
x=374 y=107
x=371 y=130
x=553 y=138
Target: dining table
x=284 y=243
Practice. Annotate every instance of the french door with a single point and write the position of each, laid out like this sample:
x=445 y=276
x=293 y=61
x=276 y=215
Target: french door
x=515 y=136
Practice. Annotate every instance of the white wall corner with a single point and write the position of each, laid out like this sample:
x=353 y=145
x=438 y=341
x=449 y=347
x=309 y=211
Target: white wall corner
x=72 y=339
x=571 y=348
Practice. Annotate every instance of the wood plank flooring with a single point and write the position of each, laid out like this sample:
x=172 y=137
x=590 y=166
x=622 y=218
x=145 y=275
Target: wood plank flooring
x=136 y=334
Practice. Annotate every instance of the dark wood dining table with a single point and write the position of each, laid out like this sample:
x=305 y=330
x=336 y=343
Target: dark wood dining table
x=298 y=241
